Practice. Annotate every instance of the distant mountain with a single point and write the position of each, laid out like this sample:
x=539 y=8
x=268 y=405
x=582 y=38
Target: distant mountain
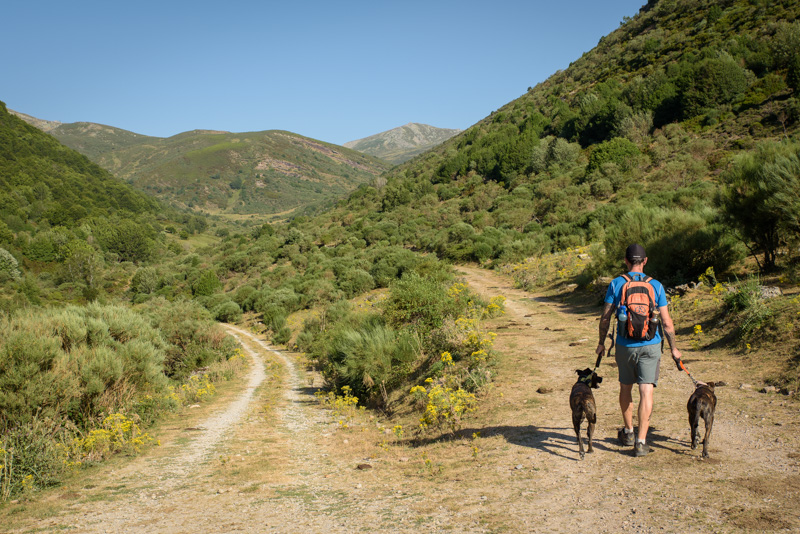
x=222 y=172
x=403 y=143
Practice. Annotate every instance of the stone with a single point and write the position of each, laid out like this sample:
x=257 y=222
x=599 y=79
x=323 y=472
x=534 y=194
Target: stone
x=770 y=292
x=769 y=389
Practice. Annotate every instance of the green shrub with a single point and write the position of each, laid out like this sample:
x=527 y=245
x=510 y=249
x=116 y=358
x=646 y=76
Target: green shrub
x=760 y=198
x=9 y=264
x=370 y=358
x=146 y=280
x=207 y=284
x=192 y=337
x=751 y=310
x=390 y=264
x=227 y=312
x=618 y=150
x=282 y=335
x=355 y=282
x=711 y=83
x=30 y=457
x=419 y=302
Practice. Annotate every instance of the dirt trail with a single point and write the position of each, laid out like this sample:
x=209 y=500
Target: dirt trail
x=272 y=461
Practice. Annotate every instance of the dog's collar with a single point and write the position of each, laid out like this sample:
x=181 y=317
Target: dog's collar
x=586 y=379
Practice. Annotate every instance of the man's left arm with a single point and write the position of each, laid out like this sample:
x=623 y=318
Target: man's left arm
x=669 y=334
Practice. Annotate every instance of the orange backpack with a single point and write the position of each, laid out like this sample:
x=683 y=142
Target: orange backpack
x=639 y=299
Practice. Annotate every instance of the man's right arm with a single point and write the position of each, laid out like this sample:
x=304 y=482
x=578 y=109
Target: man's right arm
x=605 y=323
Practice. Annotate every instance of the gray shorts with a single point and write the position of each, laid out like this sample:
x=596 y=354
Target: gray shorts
x=639 y=365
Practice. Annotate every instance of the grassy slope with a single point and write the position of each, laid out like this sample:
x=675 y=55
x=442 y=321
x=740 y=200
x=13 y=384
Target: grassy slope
x=278 y=170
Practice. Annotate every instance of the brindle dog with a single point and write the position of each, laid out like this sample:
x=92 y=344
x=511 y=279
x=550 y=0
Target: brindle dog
x=702 y=403
x=582 y=403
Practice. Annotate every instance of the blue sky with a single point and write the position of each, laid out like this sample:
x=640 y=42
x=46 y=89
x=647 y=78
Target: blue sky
x=334 y=71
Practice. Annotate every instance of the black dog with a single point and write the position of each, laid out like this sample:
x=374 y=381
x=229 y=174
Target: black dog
x=702 y=404
x=582 y=403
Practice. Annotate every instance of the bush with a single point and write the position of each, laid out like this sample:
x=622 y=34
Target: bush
x=419 y=302
x=75 y=362
x=282 y=335
x=146 y=280
x=760 y=198
x=370 y=359
x=710 y=84
x=193 y=338
x=9 y=265
x=750 y=307
x=390 y=264
x=207 y=284
x=227 y=312
x=355 y=282
x=618 y=150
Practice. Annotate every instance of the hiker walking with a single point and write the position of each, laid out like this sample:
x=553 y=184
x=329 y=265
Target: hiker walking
x=639 y=301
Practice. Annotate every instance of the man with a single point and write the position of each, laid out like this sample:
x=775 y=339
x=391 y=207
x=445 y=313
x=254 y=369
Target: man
x=638 y=360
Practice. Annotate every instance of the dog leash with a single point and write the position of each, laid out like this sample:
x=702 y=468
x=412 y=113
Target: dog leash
x=681 y=366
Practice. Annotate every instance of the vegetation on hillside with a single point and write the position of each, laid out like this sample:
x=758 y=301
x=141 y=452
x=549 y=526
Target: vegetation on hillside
x=221 y=172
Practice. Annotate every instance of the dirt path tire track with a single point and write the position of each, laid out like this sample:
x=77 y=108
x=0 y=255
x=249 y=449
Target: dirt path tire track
x=152 y=481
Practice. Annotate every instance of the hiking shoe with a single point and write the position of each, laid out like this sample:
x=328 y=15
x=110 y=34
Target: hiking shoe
x=640 y=449
x=624 y=438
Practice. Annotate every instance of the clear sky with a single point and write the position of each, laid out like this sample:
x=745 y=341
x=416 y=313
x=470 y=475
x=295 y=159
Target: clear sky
x=332 y=70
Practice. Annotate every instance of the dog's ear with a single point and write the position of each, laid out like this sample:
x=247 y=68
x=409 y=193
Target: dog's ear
x=711 y=385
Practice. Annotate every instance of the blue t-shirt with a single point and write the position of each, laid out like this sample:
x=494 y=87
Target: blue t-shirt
x=613 y=296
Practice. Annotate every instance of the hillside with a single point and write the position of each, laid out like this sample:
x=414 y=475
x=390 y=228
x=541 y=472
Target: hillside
x=221 y=172
x=42 y=180
x=401 y=144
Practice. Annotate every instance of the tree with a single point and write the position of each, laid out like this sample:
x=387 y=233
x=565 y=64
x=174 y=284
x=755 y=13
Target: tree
x=760 y=199
x=9 y=264
x=710 y=84
x=83 y=263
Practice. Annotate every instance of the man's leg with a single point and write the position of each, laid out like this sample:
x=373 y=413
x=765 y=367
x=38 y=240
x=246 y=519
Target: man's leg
x=645 y=408
x=626 y=404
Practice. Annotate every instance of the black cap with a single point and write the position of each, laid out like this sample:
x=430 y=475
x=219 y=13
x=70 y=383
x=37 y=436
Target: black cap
x=635 y=253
